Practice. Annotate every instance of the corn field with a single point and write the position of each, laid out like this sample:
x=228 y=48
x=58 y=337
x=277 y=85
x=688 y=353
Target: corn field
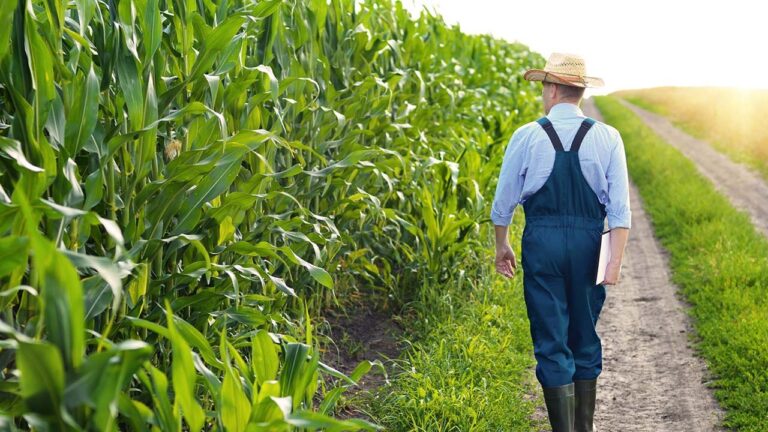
x=185 y=185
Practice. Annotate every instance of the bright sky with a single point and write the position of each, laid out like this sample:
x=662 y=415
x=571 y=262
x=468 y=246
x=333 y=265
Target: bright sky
x=631 y=44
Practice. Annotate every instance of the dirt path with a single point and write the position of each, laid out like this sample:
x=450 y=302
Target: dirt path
x=651 y=379
x=362 y=332
x=742 y=185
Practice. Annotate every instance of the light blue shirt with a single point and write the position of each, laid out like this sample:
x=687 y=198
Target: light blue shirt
x=530 y=156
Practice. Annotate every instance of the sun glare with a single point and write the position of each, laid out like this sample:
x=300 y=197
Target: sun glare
x=630 y=45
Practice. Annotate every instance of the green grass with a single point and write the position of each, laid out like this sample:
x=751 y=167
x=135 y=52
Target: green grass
x=470 y=365
x=718 y=259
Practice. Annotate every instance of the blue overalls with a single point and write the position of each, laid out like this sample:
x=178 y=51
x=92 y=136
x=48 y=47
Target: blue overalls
x=560 y=250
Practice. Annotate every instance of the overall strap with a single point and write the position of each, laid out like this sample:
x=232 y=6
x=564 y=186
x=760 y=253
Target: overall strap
x=550 y=130
x=583 y=129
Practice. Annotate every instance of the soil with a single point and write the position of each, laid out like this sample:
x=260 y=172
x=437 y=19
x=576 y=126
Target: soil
x=652 y=377
x=362 y=332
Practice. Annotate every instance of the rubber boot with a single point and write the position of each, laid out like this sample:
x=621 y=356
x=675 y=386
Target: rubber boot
x=585 y=390
x=561 y=406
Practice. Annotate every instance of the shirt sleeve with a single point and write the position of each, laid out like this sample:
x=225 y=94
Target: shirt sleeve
x=510 y=184
x=617 y=208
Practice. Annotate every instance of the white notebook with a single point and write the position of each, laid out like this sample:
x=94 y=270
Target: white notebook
x=605 y=256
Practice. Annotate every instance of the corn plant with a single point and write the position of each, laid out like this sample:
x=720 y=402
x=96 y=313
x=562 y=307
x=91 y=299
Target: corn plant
x=185 y=184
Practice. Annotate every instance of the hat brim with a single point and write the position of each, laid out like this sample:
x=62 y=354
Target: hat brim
x=564 y=79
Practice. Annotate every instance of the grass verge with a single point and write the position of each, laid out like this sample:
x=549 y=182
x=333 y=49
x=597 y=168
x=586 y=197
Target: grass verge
x=718 y=259
x=469 y=361
x=729 y=119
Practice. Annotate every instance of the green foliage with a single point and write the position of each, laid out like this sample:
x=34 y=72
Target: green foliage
x=184 y=183
x=471 y=367
x=718 y=259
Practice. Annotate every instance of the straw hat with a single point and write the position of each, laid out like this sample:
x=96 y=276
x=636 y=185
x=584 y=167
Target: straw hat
x=567 y=69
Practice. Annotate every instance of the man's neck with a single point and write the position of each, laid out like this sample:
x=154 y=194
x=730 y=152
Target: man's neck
x=566 y=106
x=569 y=101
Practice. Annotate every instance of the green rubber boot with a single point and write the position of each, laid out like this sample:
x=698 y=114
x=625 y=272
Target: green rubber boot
x=561 y=406
x=585 y=390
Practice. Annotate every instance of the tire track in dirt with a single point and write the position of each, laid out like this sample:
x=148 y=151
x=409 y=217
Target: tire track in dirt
x=740 y=184
x=652 y=380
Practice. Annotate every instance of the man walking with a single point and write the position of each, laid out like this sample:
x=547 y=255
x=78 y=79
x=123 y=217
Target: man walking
x=569 y=173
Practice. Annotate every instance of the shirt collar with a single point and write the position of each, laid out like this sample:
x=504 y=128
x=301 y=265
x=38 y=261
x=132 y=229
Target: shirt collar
x=565 y=110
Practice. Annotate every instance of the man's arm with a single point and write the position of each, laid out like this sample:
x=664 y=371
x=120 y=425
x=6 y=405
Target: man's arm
x=502 y=235
x=618 y=210
x=619 y=238
x=505 y=201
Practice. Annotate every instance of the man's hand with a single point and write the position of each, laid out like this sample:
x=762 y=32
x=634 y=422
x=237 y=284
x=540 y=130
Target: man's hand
x=612 y=272
x=505 y=261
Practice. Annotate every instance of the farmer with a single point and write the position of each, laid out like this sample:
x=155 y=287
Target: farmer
x=569 y=172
